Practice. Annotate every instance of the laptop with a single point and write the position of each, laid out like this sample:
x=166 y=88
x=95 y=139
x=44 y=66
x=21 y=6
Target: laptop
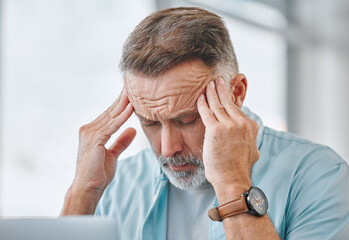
x=64 y=228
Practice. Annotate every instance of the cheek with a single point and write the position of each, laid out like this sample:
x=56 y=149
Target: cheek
x=154 y=137
x=194 y=138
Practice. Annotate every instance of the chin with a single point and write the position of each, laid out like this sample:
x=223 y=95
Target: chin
x=185 y=180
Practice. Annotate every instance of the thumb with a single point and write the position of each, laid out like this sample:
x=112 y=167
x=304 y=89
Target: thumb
x=122 y=142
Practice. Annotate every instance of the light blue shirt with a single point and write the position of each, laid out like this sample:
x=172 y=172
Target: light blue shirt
x=307 y=186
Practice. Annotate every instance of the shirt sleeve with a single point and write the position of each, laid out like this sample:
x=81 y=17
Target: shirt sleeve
x=318 y=206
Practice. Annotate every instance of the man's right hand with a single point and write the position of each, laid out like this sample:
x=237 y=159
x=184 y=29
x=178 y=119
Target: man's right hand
x=96 y=164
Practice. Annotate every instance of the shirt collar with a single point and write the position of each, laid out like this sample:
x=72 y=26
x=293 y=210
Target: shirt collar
x=258 y=120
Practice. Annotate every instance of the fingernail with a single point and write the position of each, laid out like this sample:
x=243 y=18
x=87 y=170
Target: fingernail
x=212 y=84
x=220 y=80
x=201 y=98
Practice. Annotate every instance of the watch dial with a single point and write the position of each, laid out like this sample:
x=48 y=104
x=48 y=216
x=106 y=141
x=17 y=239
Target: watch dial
x=257 y=201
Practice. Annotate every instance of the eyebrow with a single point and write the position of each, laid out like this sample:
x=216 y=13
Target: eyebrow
x=179 y=116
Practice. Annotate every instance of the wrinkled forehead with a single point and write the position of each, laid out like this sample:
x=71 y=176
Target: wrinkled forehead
x=172 y=93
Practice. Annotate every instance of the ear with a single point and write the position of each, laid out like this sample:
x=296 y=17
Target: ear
x=238 y=87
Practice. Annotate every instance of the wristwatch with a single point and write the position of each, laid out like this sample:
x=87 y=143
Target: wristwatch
x=252 y=201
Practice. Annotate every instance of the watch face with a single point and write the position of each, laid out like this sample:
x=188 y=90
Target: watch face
x=257 y=201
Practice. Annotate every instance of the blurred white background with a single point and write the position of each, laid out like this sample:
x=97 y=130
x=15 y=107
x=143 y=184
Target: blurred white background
x=59 y=70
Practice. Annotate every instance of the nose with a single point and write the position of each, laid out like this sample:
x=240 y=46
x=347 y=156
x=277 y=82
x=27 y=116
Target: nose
x=171 y=141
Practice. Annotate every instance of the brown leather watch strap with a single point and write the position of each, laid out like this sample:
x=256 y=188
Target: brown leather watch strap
x=228 y=209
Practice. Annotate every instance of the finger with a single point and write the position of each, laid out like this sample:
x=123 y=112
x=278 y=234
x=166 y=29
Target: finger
x=231 y=109
x=115 y=123
x=122 y=142
x=206 y=114
x=114 y=111
x=214 y=103
x=107 y=112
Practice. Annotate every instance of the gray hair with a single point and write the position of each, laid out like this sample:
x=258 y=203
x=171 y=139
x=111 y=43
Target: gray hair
x=172 y=36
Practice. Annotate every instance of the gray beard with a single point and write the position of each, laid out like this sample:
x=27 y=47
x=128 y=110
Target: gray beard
x=183 y=179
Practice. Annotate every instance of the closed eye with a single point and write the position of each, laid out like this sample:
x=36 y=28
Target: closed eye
x=184 y=120
x=188 y=120
x=148 y=123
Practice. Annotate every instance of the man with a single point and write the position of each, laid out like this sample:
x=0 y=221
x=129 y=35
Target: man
x=181 y=79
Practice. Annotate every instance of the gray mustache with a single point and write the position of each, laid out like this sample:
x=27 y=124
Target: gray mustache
x=180 y=160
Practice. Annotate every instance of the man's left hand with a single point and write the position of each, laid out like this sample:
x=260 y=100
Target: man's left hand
x=229 y=149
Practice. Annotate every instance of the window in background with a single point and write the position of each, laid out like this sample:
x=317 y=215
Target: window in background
x=59 y=71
